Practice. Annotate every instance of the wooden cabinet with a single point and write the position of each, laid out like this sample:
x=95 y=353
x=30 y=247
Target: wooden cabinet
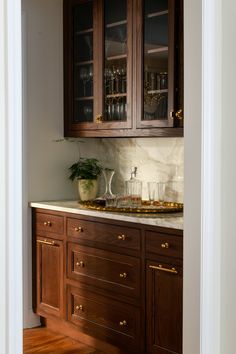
x=122 y=68
x=49 y=274
x=119 y=283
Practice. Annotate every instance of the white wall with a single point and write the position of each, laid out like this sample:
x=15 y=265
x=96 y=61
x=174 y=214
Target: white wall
x=228 y=267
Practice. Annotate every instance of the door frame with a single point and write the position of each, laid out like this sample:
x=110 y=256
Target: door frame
x=201 y=278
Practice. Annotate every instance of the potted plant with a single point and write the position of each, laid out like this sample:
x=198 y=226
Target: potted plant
x=86 y=171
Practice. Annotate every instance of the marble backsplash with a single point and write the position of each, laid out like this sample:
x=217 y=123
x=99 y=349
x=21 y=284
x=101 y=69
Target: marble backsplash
x=157 y=159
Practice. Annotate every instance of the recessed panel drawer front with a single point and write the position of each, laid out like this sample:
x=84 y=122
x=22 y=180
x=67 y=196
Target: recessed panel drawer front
x=164 y=244
x=108 y=234
x=103 y=269
x=48 y=223
x=102 y=315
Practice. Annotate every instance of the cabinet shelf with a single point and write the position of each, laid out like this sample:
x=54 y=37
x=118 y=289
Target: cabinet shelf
x=88 y=98
x=115 y=24
x=157 y=50
x=89 y=30
x=156 y=14
x=81 y=63
x=116 y=95
x=117 y=57
x=153 y=92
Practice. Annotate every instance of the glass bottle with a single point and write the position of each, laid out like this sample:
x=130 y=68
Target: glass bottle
x=133 y=189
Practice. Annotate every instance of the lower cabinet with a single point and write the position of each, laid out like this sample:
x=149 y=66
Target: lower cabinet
x=49 y=275
x=119 y=283
x=164 y=283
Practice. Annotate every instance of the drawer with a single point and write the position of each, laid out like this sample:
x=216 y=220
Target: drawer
x=108 y=234
x=48 y=223
x=107 y=270
x=164 y=244
x=103 y=317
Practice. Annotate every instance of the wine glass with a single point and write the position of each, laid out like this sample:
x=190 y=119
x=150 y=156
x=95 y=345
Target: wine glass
x=84 y=76
x=87 y=112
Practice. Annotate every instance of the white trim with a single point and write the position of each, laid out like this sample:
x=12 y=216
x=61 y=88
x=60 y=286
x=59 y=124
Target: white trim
x=211 y=177
x=11 y=177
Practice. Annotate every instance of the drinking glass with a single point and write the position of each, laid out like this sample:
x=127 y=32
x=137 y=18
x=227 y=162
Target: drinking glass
x=152 y=192
x=161 y=192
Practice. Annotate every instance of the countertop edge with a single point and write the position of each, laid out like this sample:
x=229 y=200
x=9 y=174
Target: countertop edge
x=173 y=222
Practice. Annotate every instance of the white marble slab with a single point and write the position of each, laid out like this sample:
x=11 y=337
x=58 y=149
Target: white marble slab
x=174 y=221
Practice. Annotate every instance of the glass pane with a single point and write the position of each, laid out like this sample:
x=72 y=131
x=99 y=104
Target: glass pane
x=83 y=16
x=83 y=62
x=83 y=44
x=115 y=66
x=155 y=60
x=83 y=111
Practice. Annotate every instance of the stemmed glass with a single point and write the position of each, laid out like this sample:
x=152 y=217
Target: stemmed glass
x=88 y=40
x=84 y=76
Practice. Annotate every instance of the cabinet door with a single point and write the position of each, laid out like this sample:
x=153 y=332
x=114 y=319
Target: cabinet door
x=115 y=69
x=155 y=63
x=164 y=284
x=49 y=268
x=79 y=33
x=97 y=66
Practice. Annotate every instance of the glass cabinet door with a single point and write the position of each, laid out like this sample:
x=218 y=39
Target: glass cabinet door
x=117 y=64
x=79 y=63
x=157 y=64
x=83 y=62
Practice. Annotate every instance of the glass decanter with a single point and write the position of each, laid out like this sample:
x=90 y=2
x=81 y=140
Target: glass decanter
x=133 y=189
x=108 y=196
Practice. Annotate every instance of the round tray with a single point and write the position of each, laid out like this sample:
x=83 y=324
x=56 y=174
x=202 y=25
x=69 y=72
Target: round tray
x=146 y=208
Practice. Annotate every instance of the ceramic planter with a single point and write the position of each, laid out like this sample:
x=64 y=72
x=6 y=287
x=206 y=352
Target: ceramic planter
x=88 y=189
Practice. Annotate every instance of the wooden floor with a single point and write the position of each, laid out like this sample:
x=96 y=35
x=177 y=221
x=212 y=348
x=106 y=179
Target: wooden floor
x=42 y=340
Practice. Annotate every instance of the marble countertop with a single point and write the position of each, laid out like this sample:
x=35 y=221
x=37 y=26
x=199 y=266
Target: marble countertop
x=171 y=220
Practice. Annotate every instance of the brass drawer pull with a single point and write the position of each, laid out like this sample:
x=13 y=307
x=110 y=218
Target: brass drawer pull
x=80 y=264
x=169 y=270
x=47 y=223
x=45 y=242
x=123 y=323
x=79 y=308
x=123 y=275
x=165 y=245
x=121 y=237
x=78 y=229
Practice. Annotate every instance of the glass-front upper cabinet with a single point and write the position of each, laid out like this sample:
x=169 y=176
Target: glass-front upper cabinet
x=156 y=83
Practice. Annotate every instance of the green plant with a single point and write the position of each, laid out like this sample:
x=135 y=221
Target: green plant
x=85 y=169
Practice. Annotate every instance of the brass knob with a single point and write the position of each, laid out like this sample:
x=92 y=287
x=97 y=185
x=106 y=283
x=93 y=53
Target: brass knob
x=122 y=237
x=79 y=308
x=47 y=223
x=123 y=323
x=78 y=229
x=99 y=118
x=165 y=245
x=80 y=264
x=123 y=275
x=179 y=114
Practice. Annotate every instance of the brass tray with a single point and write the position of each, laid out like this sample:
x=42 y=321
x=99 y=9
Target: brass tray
x=146 y=208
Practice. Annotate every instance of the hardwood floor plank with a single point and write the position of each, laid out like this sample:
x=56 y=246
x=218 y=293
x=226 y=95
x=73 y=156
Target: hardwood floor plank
x=41 y=340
